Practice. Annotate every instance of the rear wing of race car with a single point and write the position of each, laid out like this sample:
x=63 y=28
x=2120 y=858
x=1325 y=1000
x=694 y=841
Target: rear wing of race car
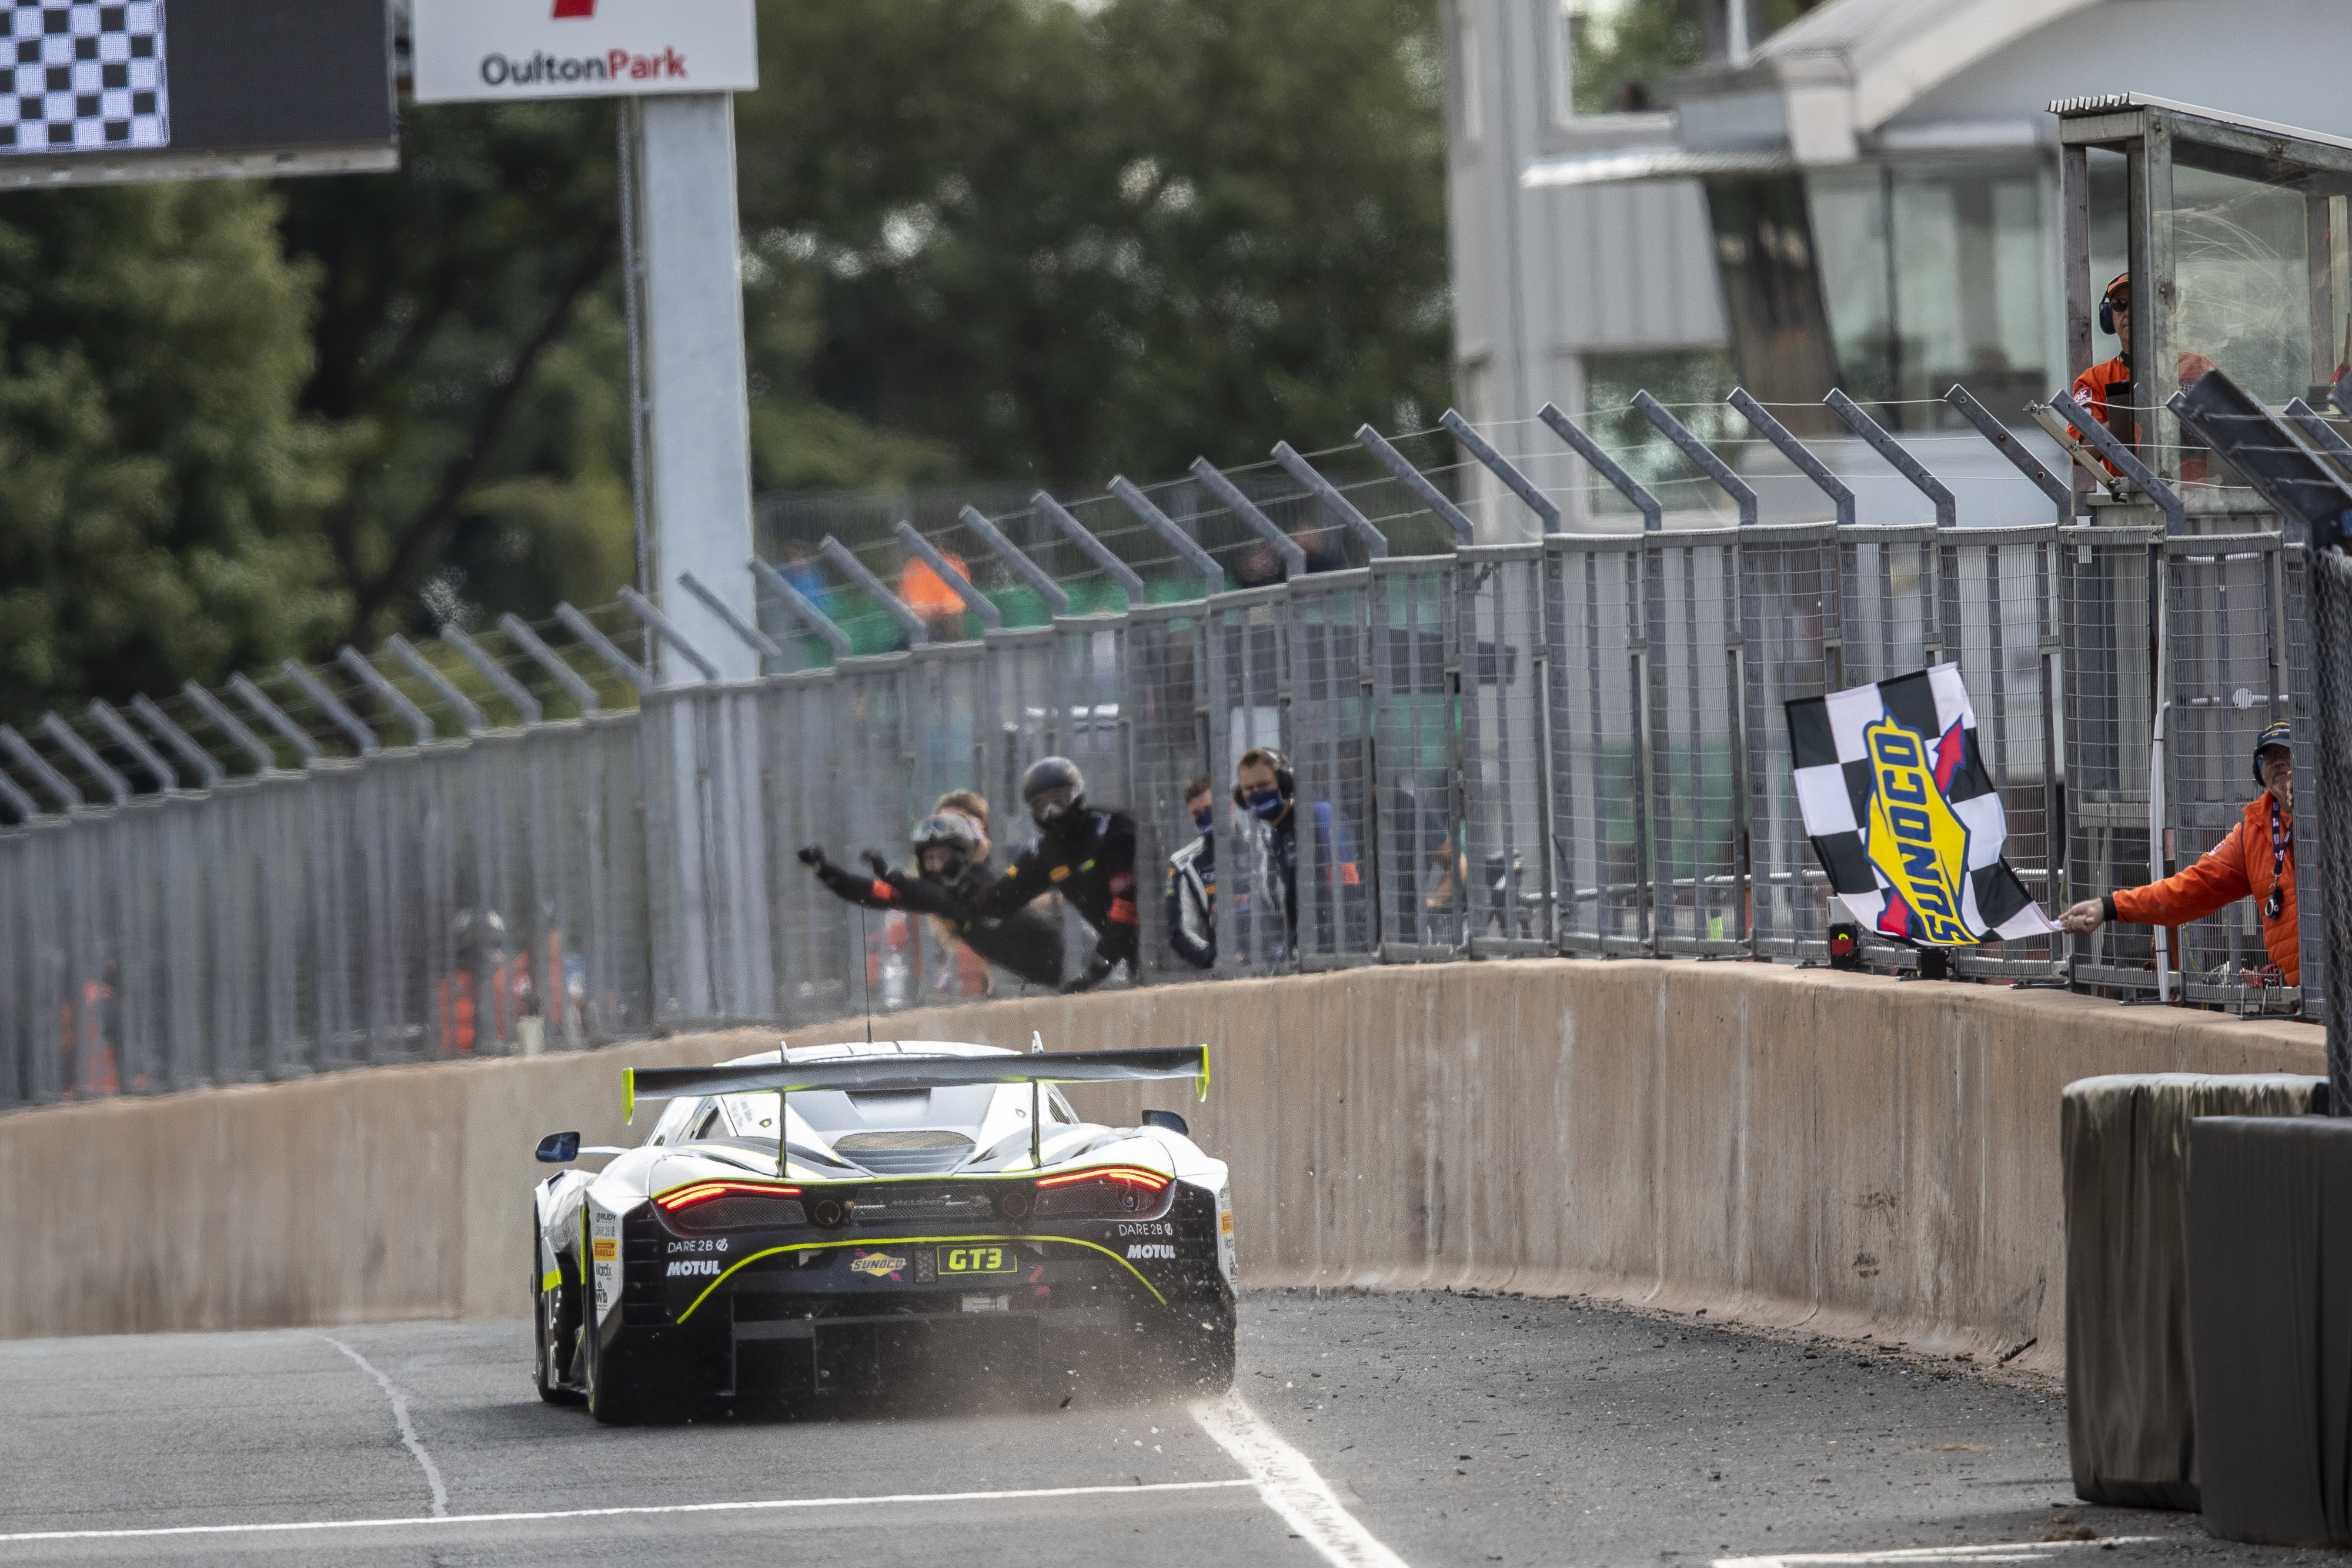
x=881 y=1075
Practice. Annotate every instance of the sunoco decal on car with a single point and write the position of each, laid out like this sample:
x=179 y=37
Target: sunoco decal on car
x=877 y=1265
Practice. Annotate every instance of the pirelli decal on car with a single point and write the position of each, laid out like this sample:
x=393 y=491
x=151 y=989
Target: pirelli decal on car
x=604 y=1257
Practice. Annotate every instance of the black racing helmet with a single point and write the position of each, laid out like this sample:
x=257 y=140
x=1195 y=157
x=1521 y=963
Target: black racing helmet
x=2280 y=734
x=1053 y=789
x=478 y=937
x=953 y=832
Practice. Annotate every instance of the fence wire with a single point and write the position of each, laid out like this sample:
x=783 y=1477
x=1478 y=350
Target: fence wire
x=1571 y=747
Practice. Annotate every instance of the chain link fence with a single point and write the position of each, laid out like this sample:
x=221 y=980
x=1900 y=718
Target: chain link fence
x=1573 y=747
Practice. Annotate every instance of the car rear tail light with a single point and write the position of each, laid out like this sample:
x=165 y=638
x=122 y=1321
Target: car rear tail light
x=1133 y=1176
x=704 y=1192
x=1105 y=1191
x=706 y=1206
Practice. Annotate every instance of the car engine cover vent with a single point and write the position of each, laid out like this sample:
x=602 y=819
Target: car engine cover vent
x=914 y=1153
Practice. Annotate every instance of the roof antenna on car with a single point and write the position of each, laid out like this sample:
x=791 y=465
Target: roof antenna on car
x=1036 y=1108
x=784 y=1123
x=865 y=945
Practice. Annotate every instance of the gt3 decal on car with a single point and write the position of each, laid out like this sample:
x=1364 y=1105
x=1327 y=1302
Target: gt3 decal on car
x=977 y=1261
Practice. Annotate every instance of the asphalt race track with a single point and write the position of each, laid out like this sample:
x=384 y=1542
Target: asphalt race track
x=1369 y=1430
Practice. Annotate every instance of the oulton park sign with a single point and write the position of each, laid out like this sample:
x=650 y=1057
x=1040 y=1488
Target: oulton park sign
x=498 y=50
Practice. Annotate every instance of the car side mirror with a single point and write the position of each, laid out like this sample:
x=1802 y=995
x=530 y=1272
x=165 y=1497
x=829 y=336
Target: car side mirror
x=559 y=1148
x=1168 y=1119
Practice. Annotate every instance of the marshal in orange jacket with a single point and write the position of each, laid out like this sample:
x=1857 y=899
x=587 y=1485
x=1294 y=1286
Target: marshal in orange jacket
x=2238 y=867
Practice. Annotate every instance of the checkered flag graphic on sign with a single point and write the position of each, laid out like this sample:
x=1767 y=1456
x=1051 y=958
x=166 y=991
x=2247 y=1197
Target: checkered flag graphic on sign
x=82 y=76
x=1903 y=814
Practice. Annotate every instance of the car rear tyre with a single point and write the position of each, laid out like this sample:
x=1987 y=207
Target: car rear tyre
x=1212 y=1359
x=552 y=1326
x=618 y=1386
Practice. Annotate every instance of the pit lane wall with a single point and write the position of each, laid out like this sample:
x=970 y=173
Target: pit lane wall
x=1843 y=1153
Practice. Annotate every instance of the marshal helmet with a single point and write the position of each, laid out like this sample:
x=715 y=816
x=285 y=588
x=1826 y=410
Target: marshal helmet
x=1053 y=789
x=952 y=832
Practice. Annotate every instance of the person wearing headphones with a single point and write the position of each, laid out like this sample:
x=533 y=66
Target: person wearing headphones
x=2107 y=385
x=2256 y=860
x=1265 y=787
x=1086 y=853
x=950 y=870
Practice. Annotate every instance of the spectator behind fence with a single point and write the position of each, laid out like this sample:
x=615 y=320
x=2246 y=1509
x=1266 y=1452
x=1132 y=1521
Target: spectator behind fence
x=1192 y=881
x=950 y=870
x=2108 y=386
x=2256 y=860
x=926 y=593
x=482 y=965
x=1086 y=853
x=1265 y=787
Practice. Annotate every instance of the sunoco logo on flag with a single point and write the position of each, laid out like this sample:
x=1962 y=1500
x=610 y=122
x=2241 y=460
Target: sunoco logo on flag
x=1904 y=814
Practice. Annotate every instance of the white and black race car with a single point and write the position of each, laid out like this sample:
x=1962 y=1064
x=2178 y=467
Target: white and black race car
x=931 y=1198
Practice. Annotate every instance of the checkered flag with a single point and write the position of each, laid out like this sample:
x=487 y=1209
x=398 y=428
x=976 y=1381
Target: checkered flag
x=82 y=76
x=1903 y=814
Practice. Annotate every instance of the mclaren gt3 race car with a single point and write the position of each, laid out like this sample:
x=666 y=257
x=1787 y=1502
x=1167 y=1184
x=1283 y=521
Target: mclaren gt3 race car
x=931 y=1201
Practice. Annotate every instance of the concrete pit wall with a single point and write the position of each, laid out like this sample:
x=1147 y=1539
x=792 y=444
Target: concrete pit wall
x=1778 y=1146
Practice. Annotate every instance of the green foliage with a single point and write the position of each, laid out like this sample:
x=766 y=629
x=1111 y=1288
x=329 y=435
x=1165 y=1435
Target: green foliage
x=1065 y=243
x=468 y=347
x=985 y=239
x=154 y=519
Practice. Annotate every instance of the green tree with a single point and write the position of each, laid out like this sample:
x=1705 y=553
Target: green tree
x=155 y=523
x=460 y=353
x=1066 y=243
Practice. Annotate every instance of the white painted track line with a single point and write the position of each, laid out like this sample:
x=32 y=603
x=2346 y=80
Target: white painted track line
x=1290 y=1486
x=2016 y=1551
x=447 y=1520
x=407 y=1428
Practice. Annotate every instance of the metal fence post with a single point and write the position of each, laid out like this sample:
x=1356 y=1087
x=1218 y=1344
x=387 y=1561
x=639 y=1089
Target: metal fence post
x=117 y=787
x=1294 y=558
x=1212 y=576
x=1544 y=509
x=833 y=550
x=1376 y=543
x=457 y=702
x=1094 y=548
x=1742 y=494
x=1056 y=601
x=958 y=584
x=801 y=608
x=1414 y=480
x=391 y=697
x=2005 y=442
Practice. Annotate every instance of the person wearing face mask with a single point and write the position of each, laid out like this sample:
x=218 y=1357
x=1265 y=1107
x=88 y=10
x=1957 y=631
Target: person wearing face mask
x=950 y=870
x=1264 y=788
x=2256 y=860
x=1192 y=881
x=1086 y=853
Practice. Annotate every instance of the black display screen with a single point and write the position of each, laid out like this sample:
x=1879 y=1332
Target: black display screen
x=179 y=78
